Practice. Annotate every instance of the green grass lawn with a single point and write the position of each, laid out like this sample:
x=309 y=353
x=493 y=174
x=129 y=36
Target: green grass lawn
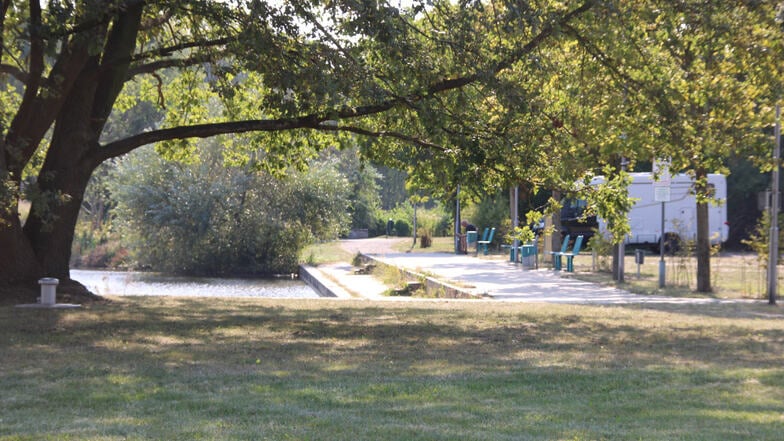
x=217 y=369
x=325 y=253
x=438 y=245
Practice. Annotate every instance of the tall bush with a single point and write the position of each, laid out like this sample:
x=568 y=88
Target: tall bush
x=436 y=220
x=363 y=178
x=211 y=219
x=492 y=211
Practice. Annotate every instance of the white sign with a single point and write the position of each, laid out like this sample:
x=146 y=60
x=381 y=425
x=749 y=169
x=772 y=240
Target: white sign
x=661 y=186
x=661 y=194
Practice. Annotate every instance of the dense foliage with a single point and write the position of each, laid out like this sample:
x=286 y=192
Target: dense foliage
x=207 y=218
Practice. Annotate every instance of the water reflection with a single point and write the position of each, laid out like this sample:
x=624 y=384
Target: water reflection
x=153 y=284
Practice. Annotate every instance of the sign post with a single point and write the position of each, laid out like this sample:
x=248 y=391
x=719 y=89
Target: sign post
x=661 y=193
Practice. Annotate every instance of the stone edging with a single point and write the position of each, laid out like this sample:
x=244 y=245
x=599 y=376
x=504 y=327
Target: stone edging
x=433 y=287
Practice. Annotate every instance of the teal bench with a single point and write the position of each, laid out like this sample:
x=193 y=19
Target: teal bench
x=578 y=243
x=485 y=242
x=557 y=254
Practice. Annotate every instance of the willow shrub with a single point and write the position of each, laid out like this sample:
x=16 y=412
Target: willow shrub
x=207 y=218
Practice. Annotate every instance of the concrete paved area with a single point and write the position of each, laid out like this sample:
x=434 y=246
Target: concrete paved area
x=494 y=280
x=503 y=280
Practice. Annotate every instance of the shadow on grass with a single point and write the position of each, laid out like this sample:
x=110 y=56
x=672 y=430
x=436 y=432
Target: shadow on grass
x=320 y=370
x=234 y=332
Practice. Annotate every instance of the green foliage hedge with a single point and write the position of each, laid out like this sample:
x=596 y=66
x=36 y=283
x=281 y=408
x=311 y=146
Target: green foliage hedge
x=209 y=219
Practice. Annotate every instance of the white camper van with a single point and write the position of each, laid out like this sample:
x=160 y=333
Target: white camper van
x=680 y=213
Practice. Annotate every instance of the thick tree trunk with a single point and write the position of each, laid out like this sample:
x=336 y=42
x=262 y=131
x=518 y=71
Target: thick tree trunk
x=17 y=259
x=703 y=192
x=42 y=247
x=51 y=237
x=555 y=239
x=20 y=252
x=703 y=249
x=63 y=179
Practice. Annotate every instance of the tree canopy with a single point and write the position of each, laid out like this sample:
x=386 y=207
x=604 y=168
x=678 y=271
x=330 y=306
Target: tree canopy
x=266 y=69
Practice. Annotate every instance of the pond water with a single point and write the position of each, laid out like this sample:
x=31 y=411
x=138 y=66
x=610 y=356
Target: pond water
x=131 y=283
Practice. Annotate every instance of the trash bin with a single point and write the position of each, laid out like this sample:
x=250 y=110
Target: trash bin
x=48 y=290
x=470 y=237
x=528 y=254
x=639 y=257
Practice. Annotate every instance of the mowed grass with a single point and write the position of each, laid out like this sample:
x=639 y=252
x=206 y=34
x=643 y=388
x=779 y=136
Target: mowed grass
x=219 y=369
x=327 y=252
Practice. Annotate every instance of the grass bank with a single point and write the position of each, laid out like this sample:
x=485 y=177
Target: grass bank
x=158 y=368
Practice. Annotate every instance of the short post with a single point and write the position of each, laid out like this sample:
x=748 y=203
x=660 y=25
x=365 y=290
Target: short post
x=48 y=290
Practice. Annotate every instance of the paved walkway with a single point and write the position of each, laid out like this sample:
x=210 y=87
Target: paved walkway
x=494 y=279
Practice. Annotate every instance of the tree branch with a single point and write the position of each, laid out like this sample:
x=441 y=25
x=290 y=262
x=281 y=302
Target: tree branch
x=315 y=121
x=168 y=50
x=36 y=114
x=164 y=64
x=16 y=147
x=15 y=72
x=120 y=43
x=383 y=134
x=127 y=145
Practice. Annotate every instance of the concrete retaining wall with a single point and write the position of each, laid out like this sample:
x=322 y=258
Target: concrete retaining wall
x=433 y=287
x=308 y=276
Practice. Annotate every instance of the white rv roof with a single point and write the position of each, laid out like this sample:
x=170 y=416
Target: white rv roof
x=643 y=177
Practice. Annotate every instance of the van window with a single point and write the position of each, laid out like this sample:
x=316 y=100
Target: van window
x=573 y=208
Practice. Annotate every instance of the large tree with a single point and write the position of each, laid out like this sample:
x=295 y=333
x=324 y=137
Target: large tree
x=269 y=66
x=477 y=93
x=699 y=78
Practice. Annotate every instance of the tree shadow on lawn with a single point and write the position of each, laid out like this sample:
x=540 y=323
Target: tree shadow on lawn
x=280 y=360
x=730 y=309
x=237 y=333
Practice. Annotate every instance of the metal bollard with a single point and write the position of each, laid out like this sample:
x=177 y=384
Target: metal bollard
x=48 y=290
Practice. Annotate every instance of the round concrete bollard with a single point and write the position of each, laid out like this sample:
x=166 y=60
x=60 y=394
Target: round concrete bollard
x=48 y=290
